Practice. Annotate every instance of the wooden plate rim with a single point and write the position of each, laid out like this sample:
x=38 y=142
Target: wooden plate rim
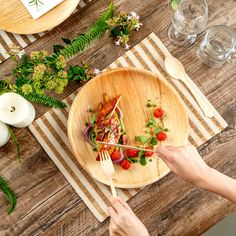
x=70 y=121
x=34 y=23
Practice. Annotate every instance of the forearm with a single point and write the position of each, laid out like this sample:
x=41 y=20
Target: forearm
x=220 y=184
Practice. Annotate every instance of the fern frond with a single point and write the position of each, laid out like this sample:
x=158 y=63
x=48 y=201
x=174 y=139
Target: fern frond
x=43 y=99
x=15 y=141
x=94 y=32
x=11 y=197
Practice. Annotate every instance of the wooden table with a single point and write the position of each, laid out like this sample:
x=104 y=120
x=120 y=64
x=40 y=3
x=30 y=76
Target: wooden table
x=47 y=204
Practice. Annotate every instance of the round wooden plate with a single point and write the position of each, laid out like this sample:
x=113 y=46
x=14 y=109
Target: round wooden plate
x=15 y=18
x=136 y=87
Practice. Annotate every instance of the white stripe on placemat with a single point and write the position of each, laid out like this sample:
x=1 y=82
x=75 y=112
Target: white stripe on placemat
x=6 y=38
x=66 y=174
x=20 y=40
x=195 y=137
x=3 y=52
x=72 y=165
x=31 y=37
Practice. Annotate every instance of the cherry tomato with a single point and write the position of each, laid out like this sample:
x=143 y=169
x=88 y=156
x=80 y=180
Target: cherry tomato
x=115 y=155
x=158 y=113
x=132 y=152
x=161 y=136
x=125 y=164
x=148 y=154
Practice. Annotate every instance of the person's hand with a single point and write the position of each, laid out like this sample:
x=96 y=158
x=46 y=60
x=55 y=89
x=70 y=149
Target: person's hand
x=123 y=221
x=185 y=162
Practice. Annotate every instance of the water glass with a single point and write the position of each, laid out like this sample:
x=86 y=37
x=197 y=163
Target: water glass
x=218 y=46
x=188 y=20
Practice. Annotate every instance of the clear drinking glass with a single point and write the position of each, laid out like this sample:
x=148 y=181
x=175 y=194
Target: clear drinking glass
x=218 y=46
x=188 y=20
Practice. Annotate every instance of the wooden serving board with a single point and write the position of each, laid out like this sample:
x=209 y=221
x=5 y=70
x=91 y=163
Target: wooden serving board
x=136 y=87
x=15 y=18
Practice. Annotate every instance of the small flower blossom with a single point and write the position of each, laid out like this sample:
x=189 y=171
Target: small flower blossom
x=15 y=52
x=43 y=54
x=38 y=72
x=38 y=55
x=127 y=46
x=62 y=74
x=96 y=71
x=14 y=49
x=117 y=43
x=137 y=26
x=61 y=62
x=50 y=85
x=21 y=53
x=135 y=15
x=129 y=17
x=122 y=25
x=27 y=88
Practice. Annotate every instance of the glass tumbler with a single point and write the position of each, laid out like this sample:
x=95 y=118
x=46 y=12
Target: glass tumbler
x=218 y=46
x=188 y=20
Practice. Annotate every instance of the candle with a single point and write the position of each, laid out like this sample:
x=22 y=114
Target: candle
x=4 y=134
x=15 y=110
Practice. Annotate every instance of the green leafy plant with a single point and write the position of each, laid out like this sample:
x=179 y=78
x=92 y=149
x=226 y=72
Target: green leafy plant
x=43 y=99
x=82 y=73
x=39 y=73
x=84 y=40
x=11 y=197
x=36 y=74
x=15 y=141
x=122 y=25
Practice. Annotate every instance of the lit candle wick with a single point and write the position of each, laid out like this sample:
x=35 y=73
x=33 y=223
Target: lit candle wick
x=12 y=109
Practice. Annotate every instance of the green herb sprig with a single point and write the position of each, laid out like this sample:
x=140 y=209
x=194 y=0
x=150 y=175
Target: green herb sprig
x=84 y=40
x=11 y=197
x=43 y=99
x=16 y=142
x=122 y=25
x=82 y=73
x=153 y=127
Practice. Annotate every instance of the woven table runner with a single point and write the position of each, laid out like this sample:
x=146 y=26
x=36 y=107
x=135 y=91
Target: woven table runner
x=51 y=129
x=8 y=39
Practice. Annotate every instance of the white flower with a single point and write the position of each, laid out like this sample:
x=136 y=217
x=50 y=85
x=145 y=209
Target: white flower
x=137 y=27
x=135 y=15
x=21 y=53
x=96 y=71
x=127 y=46
x=117 y=43
x=129 y=17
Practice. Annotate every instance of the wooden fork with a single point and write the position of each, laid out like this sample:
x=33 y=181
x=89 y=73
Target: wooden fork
x=108 y=169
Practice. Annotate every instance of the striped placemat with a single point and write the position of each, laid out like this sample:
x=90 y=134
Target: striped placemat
x=51 y=129
x=8 y=39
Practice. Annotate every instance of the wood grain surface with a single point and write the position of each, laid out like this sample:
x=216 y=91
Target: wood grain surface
x=135 y=86
x=47 y=205
x=15 y=18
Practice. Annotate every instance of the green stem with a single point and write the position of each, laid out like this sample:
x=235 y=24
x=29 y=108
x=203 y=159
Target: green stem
x=15 y=140
x=11 y=197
